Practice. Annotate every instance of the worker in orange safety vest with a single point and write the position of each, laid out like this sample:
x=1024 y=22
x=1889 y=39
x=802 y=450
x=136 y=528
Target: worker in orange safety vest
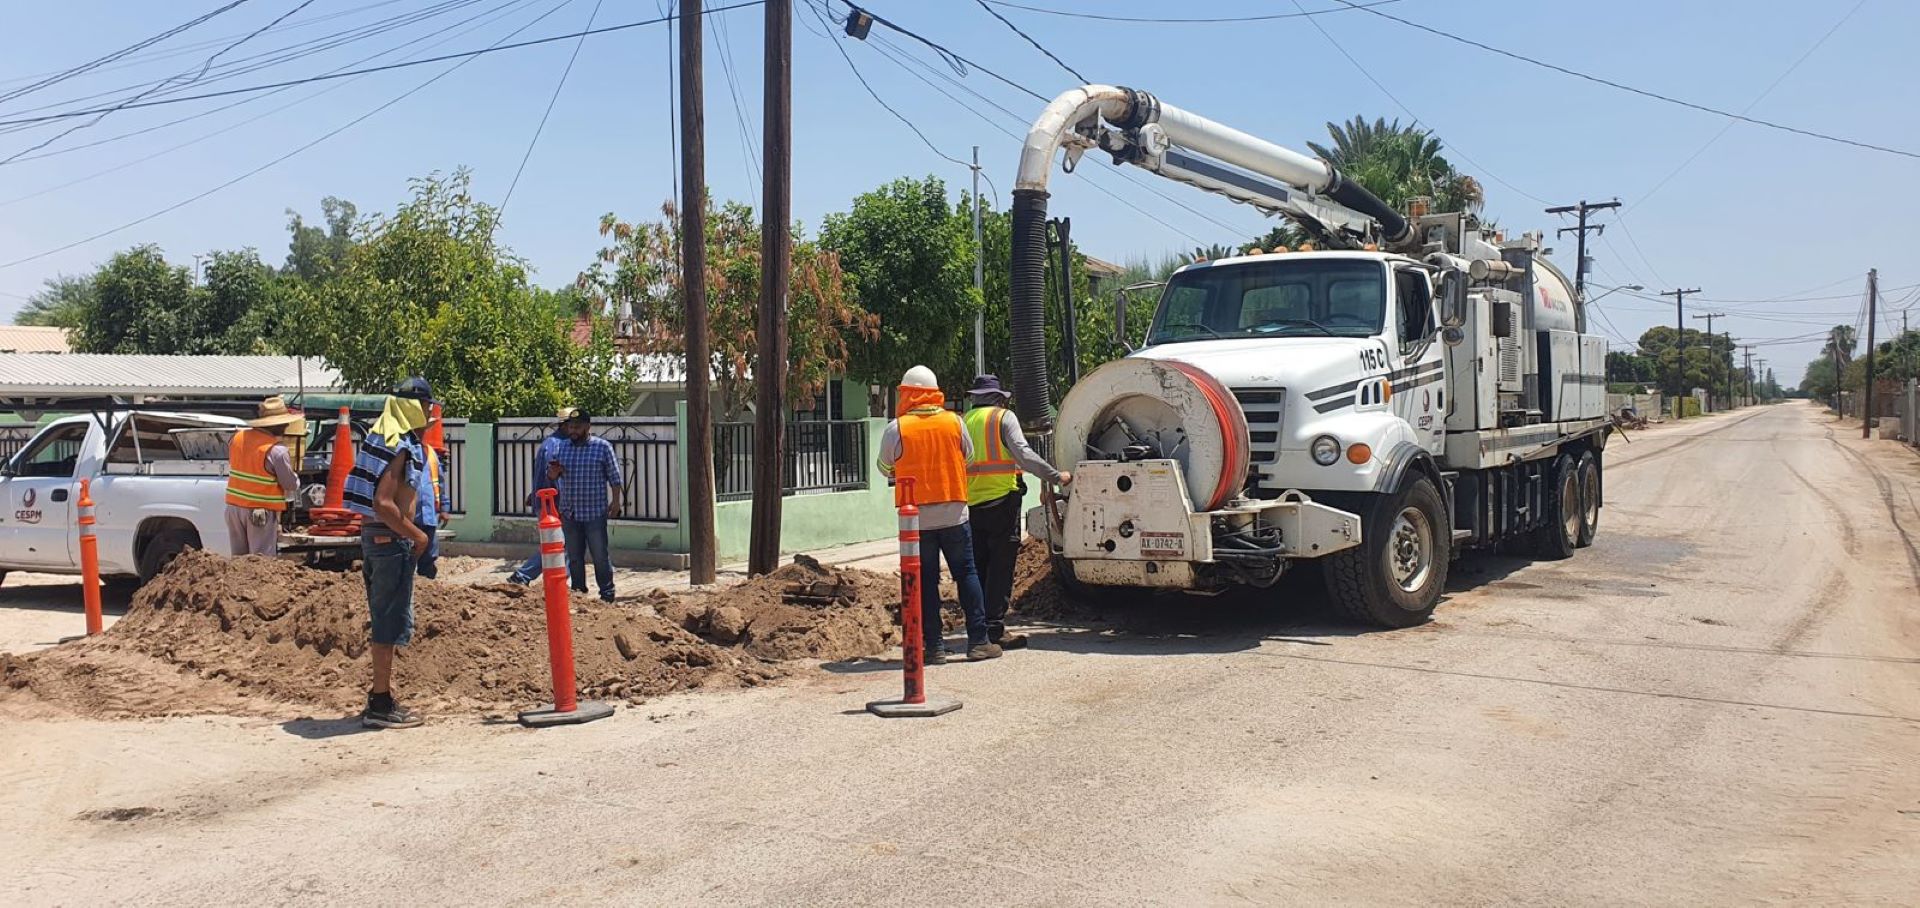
x=928 y=444
x=260 y=478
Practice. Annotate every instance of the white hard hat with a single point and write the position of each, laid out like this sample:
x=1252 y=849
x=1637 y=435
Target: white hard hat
x=919 y=377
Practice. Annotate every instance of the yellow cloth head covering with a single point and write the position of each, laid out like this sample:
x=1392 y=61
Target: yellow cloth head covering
x=400 y=416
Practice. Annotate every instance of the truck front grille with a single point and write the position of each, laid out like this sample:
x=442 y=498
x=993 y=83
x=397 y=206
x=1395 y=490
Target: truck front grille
x=1265 y=408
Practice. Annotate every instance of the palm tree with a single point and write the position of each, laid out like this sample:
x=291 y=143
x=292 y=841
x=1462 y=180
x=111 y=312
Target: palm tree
x=1398 y=163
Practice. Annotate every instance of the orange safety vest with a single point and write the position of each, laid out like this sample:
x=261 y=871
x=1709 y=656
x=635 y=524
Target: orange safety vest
x=931 y=455
x=250 y=484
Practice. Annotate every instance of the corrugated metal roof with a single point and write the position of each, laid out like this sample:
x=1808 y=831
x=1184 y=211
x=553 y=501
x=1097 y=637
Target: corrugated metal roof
x=38 y=375
x=32 y=339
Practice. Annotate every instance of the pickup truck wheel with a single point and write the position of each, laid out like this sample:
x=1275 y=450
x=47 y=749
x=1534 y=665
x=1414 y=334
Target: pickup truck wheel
x=1589 y=474
x=163 y=548
x=1394 y=578
x=1556 y=539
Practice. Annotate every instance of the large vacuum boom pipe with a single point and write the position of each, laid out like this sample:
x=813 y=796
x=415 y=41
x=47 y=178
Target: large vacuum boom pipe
x=1128 y=109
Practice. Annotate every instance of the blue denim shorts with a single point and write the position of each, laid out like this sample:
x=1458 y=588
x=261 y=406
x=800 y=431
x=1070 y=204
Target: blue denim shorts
x=387 y=564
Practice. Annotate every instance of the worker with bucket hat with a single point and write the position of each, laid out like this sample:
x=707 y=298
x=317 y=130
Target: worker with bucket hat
x=995 y=490
x=260 y=478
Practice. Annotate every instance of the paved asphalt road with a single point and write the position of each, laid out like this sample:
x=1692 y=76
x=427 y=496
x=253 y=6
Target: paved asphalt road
x=1718 y=703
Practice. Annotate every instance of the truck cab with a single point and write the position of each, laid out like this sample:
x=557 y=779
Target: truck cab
x=1338 y=348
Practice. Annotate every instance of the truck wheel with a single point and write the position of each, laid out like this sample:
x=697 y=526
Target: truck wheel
x=1589 y=472
x=1395 y=577
x=163 y=548
x=1556 y=539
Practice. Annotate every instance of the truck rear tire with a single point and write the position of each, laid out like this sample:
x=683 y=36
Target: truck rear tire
x=1395 y=577
x=1556 y=539
x=163 y=548
x=1589 y=470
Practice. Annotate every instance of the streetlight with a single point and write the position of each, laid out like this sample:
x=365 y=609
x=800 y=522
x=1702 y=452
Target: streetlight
x=1596 y=299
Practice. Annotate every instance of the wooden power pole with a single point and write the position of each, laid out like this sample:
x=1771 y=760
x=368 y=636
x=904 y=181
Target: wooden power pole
x=701 y=544
x=1580 y=210
x=776 y=255
x=1873 y=315
x=1680 y=344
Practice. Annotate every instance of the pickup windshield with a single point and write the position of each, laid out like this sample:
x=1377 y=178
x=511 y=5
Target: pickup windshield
x=1284 y=297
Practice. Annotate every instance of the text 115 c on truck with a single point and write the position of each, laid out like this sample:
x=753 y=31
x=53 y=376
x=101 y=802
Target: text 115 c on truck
x=1410 y=386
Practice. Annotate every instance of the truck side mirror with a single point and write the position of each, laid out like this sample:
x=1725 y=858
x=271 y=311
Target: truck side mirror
x=1121 y=301
x=1453 y=299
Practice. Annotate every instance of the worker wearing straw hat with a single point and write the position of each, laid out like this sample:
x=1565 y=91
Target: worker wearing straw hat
x=260 y=478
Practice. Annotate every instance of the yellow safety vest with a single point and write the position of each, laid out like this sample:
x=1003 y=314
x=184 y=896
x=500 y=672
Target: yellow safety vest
x=992 y=473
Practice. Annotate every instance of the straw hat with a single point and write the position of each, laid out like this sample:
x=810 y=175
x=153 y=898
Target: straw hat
x=274 y=414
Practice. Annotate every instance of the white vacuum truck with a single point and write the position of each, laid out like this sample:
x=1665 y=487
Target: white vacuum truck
x=1401 y=389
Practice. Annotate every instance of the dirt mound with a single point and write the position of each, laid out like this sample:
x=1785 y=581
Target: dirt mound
x=803 y=610
x=253 y=635
x=1038 y=595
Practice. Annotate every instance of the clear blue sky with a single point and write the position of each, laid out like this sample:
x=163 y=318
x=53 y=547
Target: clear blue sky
x=1757 y=216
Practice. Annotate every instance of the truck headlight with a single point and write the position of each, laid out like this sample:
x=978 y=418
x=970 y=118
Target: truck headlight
x=1325 y=450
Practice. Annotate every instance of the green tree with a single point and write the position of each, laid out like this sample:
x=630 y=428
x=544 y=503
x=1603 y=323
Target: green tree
x=910 y=261
x=1708 y=359
x=1397 y=163
x=315 y=253
x=429 y=291
x=637 y=276
x=61 y=303
x=142 y=304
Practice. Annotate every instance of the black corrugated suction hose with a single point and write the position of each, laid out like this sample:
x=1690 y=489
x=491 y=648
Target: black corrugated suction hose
x=1032 y=397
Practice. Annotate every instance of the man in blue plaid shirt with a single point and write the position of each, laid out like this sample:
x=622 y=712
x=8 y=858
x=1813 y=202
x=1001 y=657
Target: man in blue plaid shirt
x=583 y=468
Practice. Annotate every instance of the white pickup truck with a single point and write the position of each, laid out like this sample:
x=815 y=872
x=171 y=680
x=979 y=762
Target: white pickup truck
x=158 y=488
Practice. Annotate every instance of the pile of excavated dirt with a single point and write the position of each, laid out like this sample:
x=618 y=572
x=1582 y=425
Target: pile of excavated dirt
x=1038 y=595
x=260 y=636
x=804 y=610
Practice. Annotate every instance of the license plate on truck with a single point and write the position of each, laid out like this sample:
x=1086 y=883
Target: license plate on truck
x=1163 y=545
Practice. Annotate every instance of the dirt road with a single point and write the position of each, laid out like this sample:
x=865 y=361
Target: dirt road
x=1719 y=703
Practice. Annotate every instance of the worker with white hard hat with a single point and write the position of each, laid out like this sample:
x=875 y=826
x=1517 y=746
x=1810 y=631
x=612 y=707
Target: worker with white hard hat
x=928 y=444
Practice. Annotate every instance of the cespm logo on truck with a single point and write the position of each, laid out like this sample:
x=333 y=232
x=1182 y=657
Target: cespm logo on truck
x=27 y=512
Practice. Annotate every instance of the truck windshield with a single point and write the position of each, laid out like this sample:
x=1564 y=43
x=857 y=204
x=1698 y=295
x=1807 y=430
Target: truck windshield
x=1283 y=297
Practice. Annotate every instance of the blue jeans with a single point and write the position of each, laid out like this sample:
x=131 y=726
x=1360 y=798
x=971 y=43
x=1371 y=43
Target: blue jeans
x=528 y=569
x=386 y=563
x=956 y=543
x=588 y=537
x=429 y=566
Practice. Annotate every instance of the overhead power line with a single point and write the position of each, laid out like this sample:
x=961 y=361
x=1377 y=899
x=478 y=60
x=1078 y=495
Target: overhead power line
x=1409 y=111
x=1029 y=39
x=266 y=59
x=182 y=50
x=1724 y=127
x=1174 y=20
x=542 y=127
x=462 y=55
x=1645 y=93
x=204 y=66
x=459 y=29
x=463 y=61
x=109 y=58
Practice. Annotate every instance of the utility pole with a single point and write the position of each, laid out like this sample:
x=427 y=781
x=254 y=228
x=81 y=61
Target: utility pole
x=1579 y=210
x=1747 y=367
x=776 y=256
x=1873 y=315
x=979 y=276
x=1679 y=343
x=1766 y=387
x=1728 y=336
x=1710 y=316
x=1833 y=343
x=701 y=544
